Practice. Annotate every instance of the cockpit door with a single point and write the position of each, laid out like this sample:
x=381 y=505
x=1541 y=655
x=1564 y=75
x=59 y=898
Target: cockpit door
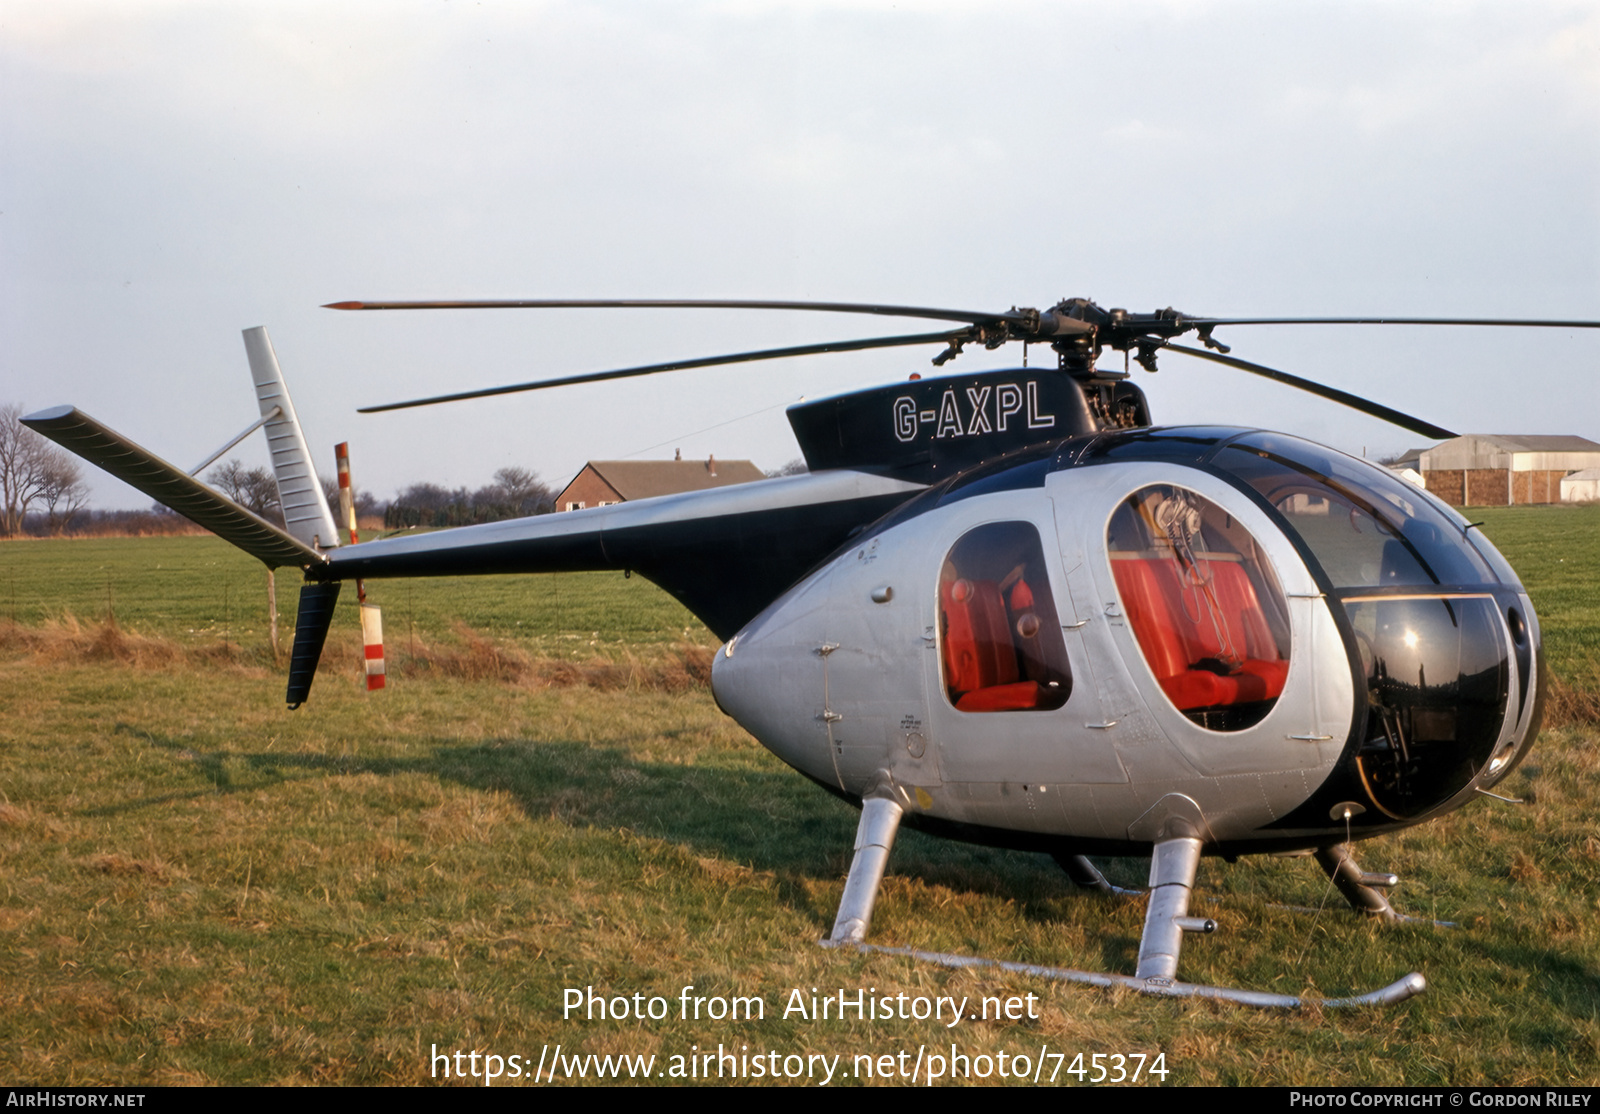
x=1204 y=626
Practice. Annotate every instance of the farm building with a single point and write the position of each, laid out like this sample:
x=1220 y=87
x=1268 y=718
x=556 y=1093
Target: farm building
x=603 y=482
x=1498 y=470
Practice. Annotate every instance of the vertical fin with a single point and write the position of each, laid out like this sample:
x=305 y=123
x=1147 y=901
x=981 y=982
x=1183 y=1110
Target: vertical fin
x=305 y=508
x=317 y=601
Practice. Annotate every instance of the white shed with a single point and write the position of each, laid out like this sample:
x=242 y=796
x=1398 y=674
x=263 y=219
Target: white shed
x=1581 y=487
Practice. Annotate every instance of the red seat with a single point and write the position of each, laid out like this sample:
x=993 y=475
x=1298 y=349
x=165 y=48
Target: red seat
x=979 y=656
x=1182 y=621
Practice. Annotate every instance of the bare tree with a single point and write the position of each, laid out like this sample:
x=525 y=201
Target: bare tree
x=31 y=470
x=366 y=504
x=514 y=493
x=255 y=489
x=64 y=493
x=431 y=497
x=524 y=491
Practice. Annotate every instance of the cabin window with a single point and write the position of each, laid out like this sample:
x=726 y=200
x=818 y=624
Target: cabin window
x=999 y=631
x=1203 y=603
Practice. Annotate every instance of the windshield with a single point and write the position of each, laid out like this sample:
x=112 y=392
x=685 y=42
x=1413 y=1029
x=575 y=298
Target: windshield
x=1367 y=527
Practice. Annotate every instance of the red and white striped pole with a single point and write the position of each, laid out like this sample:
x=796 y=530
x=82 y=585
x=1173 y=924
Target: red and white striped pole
x=371 y=617
x=372 y=641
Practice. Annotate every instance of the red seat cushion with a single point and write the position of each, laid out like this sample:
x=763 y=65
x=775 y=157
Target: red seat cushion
x=1001 y=698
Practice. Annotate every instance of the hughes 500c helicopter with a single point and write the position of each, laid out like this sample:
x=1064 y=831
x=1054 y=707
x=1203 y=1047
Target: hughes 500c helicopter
x=1005 y=608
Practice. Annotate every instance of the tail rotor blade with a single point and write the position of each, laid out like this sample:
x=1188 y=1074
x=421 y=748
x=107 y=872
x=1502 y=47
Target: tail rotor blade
x=371 y=617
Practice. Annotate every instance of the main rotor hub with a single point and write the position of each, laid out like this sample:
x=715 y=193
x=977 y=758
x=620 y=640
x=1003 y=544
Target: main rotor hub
x=1117 y=329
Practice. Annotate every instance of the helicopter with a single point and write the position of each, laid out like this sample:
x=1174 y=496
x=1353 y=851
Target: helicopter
x=1007 y=608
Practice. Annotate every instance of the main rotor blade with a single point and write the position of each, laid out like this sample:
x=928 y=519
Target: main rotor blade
x=970 y=316
x=1355 y=402
x=678 y=365
x=1500 y=322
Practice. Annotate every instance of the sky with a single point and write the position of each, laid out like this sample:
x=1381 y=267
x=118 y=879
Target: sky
x=174 y=173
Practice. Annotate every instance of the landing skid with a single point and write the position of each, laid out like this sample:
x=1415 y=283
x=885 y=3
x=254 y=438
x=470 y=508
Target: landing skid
x=1398 y=991
x=1172 y=871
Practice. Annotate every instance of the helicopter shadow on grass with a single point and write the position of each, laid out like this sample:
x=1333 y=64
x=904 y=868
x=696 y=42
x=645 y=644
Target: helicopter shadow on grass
x=741 y=807
x=736 y=806
x=1562 y=980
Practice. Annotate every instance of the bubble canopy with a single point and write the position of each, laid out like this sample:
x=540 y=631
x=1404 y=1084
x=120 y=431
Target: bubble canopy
x=1437 y=619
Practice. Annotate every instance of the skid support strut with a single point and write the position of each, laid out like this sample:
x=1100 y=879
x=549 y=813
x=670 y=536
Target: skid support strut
x=1359 y=888
x=1172 y=871
x=880 y=819
x=1086 y=875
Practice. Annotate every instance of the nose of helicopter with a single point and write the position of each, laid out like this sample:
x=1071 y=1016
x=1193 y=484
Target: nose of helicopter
x=757 y=679
x=1438 y=627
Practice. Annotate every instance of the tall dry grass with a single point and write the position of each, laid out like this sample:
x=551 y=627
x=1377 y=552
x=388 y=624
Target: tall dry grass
x=1571 y=705
x=474 y=657
x=471 y=656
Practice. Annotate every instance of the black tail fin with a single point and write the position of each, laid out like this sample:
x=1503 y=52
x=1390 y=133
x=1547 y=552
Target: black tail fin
x=317 y=601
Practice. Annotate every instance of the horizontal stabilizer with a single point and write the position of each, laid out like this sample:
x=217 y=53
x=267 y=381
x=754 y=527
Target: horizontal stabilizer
x=171 y=486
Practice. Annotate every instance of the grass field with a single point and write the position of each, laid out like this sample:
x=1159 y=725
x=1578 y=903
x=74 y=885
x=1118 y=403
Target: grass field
x=197 y=886
x=200 y=590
